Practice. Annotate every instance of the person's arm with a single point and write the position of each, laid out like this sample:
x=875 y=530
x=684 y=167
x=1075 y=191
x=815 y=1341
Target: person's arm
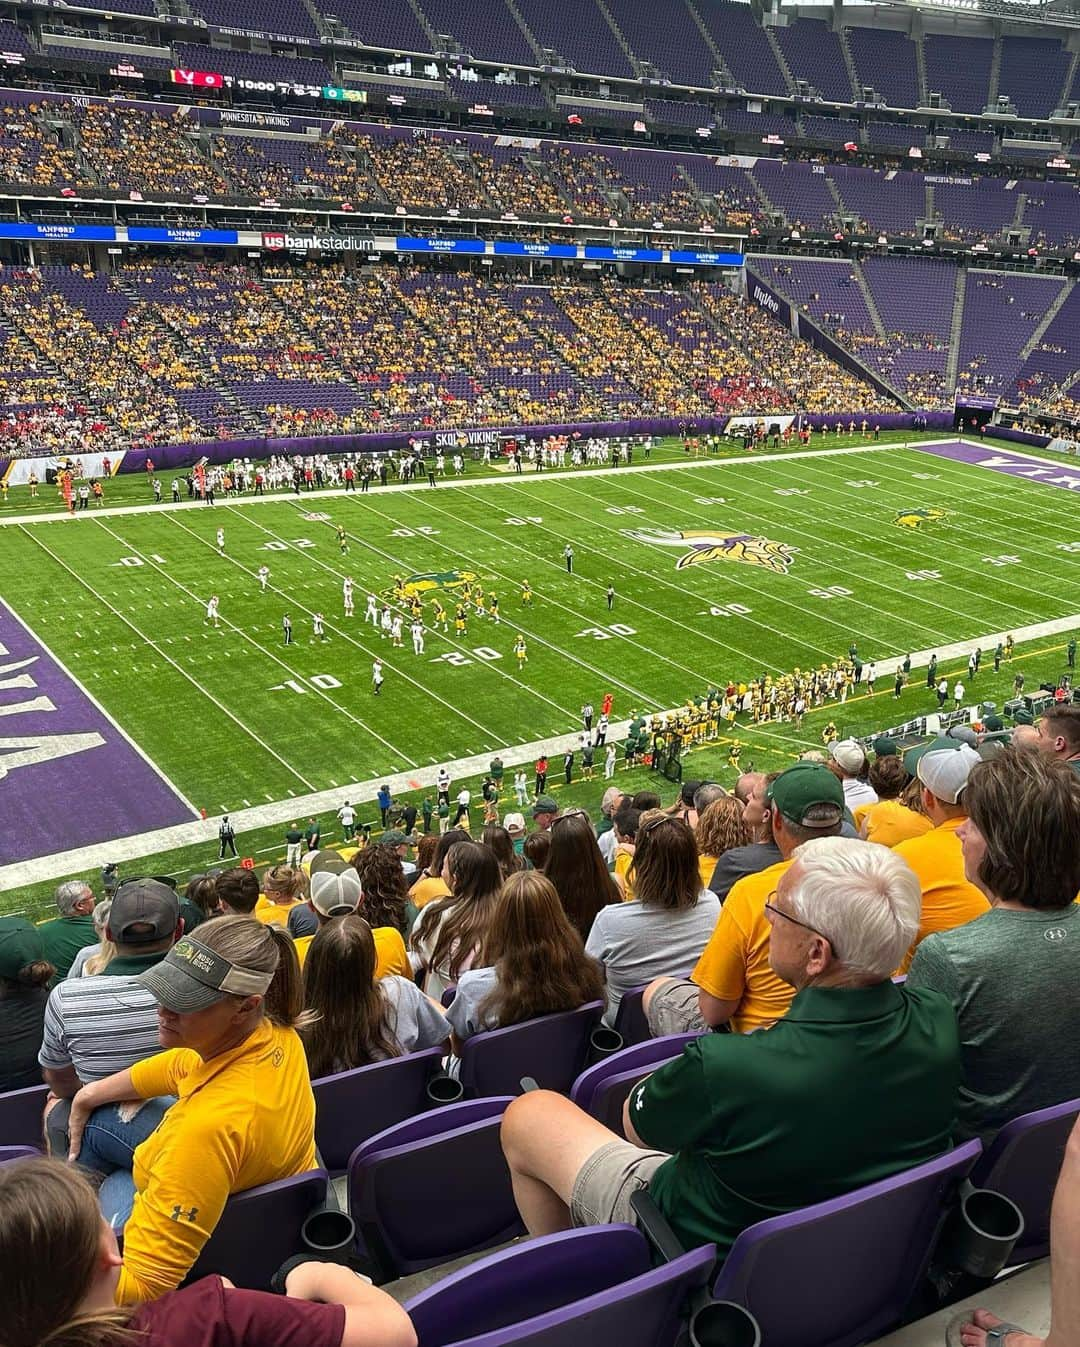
x=670 y=1108
x=117 y=1089
x=720 y=973
x=372 y=1318
x=716 y=1010
x=63 y=1082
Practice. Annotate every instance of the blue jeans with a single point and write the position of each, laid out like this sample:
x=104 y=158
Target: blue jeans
x=108 y=1147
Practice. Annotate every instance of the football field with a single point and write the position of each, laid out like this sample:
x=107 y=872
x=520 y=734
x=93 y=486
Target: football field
x=721 y=570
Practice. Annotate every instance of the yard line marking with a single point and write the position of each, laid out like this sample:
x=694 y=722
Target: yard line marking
x=443 y=636
x=285 y=495
x=98 y=706
x=250 y=639
x=169 y=660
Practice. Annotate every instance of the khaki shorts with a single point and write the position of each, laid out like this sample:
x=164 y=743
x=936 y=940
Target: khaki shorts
x=607 y=1181
x=674 y=1010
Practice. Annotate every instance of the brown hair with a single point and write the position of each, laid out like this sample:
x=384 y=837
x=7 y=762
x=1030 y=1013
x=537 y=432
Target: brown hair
x=38 y=974
x=721 y=827
x=664 y=871
x=425 y=852
x=536 y=848
x=1026 y=805
x=645 y=799
x=385 y=891
x=351 y=1027
x=238 y=889
x=265 y=949
x=459 y=923
x=498 y=840
x=538 y=956
x=50 y=1234
x=577 y=869
x=288 y=881
x=202 y=893
x=1064 y=719
x=889 y=777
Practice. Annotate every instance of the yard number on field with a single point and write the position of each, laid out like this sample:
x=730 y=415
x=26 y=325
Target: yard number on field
x=606 y=633
x=321 y=681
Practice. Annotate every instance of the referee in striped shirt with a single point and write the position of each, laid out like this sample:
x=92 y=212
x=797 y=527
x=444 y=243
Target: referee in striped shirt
x=95 y=1026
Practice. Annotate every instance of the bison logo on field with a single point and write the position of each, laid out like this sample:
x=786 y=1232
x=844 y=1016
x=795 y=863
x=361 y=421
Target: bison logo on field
x=707 y=546
x=915 y=519
x=429 y=580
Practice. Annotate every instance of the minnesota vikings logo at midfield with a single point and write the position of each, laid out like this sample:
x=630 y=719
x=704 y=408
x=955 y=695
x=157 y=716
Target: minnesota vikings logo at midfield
x=914 y=519
x=707 y=546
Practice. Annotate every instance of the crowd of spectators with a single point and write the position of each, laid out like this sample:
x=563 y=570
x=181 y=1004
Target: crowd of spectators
x=168 y=1026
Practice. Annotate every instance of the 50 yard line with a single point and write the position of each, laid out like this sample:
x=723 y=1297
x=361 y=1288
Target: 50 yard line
x=168 y=658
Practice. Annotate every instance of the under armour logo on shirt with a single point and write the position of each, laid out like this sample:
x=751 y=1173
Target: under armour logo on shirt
x=1055 y=933
x=178 y=1214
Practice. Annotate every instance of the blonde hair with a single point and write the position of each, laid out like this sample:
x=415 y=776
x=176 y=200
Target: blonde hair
x=285 y=883
x=97 y=963
x=264 y=949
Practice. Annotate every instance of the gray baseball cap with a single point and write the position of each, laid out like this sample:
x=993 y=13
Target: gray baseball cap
x=192 y=976
x=143 y=911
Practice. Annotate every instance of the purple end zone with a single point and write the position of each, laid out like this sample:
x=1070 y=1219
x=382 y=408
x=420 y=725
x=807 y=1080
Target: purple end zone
x=68 y=777
x=1001 y=460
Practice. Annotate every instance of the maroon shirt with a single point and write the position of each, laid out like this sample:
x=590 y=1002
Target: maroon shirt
x=205 y=1314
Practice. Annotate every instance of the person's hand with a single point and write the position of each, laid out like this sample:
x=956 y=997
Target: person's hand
x=81 y=1108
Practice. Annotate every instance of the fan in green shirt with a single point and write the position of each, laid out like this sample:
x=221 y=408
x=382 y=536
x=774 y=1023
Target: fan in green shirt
x=73 y=929
x=858 y=1082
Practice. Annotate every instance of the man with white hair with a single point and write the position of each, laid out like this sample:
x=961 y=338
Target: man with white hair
x=847 y=760
x=605 y=831
x=66 y=934
x=949 y=899
x=859 y=1081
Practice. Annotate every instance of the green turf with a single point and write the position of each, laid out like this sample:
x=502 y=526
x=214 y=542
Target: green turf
x=234 y=718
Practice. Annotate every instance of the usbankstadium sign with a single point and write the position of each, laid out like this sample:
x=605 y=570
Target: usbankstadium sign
x=278 y=240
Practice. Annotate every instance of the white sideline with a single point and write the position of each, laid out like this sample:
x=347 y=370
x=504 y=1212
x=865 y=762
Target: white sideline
x=300 y=807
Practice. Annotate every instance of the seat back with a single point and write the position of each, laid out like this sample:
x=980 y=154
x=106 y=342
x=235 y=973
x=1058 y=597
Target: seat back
x=1023 y=1162
x=259 y=1229
x=848 y=1267
x=552 y=1049
x=630 y=1021
x=603 y=1089
x=527 y=1279
x=648 y=1310
x=433 y=1188
x=9 y=1153
x=354 y=1105
x=21 y=1117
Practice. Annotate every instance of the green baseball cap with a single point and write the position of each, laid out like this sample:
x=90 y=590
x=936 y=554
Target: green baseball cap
x=800 y=788
x=20 y=944
x=884 y=747
x=1023 y=717
x=912 y=756
x=394 y=838
x=545 y=805
x=993 y=724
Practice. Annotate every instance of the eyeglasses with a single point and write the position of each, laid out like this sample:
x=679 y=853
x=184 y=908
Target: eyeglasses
x=656 y=823
x=770 y=906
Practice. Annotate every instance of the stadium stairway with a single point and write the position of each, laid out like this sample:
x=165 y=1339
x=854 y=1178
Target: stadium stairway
x=609 y=19
x=868 y=296
x=956 y=328
x=1048 y=317
x=849 y=61
x=781 y=60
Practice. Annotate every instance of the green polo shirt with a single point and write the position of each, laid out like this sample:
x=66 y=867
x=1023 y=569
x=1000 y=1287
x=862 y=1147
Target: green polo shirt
x=130 y=965
x=853 y=1085
x=63 y=938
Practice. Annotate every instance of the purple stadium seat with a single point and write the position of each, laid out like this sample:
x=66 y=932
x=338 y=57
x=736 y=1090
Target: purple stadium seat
x=9 y=1153
x=1022 y=1163
x=630 y=1022
x=552 y=1050
x=603 y=1089
x=354 y=1105
x=434 y=1188
x=259 y=1229
x=580 y=1286
x=20 y=1116
x=849 y=1267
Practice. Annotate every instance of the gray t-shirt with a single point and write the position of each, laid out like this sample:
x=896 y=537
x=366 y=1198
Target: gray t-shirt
x=738 y=862
x=464 y=1012
x=99 y=1025
x=1014 y=978
x=637 y=943
x=411 y=1018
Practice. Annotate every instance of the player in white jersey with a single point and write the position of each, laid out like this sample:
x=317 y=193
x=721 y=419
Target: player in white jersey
x=417 y=630
x=371 y=613
x=376 y=677
x=212 y=610
x=221 y=541
x=347 y=595
x=318 y=624
x=395 y=629
x=387 y=621
x=264 y=575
